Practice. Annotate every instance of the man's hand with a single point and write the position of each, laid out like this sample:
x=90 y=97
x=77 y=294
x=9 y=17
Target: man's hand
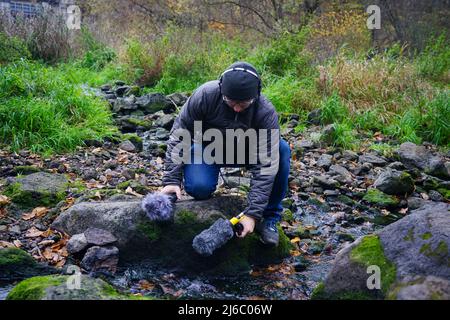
x=172 y=189
x=249 y=225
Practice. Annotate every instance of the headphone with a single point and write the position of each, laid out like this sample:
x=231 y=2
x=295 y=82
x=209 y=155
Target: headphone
x=244 y=70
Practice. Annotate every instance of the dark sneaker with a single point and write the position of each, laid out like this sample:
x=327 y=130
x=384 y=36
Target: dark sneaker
x=268 y=231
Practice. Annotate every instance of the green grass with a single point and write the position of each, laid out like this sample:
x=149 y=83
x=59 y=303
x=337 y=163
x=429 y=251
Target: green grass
x=46 y=110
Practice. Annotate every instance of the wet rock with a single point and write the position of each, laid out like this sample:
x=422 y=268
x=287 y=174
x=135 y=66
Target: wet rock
x=105 y=87
x=165 y=121
x=341 y=174
x=121 y=90
x=89 y=174
x=177 y=98
x=237 y=182
x=77 y=243
x=395 y=182
x=314 y=117
x=99 y=237
x=349 y=155
x=325 y=161
x=421 y=288
x=327 y=133
x=397 y=165
x=101 y=259
x=37 y=189
x=63 y=287
x=435 y=196
x=418 y=156
x=326 y=182
x=416 y=203
x=127 y=145
x=153 y=102
x=372 y=159
x=124 y=105
x=416 y=245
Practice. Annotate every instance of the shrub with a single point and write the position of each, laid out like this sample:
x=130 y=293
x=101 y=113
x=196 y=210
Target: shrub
x=434 y=62
x=12 y=49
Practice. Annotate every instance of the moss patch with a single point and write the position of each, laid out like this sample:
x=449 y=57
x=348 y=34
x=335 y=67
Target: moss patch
x=34 y=288
x=379 y=198
x=410 y=235
x=12 y=257
x=440 y=253
x=319 y=293
x=25 y=169
x=370 y=252
x=29 y=199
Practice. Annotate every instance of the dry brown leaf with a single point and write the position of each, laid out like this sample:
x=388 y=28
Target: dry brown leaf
x=130 y=190
x=69 y=202
x=146 y=285
x=3 y=212
x=40 y=211
x=4 y=200
x=48 y=253
x=33 y=232
x=46 y=242
x=60 y=263
x=28 y=216
x=5 y=244
x=295 y=253
x=18 y=243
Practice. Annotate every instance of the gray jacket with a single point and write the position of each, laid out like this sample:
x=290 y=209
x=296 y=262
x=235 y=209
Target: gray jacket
x=206 y=104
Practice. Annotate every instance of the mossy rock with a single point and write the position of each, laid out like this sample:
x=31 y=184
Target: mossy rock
x=58 y=287
x=348 y=278
x=16 y=264
x=134 y=139
x=37 y=189
x=381 y=199
x=142 y=241
x=25 y=169
x=414 y=246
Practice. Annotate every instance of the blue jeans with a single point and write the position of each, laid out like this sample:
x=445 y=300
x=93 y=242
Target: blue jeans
x=200 y=180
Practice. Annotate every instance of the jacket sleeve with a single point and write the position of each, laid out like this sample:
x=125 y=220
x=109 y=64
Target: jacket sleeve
x=264 y=173
x=192 y=110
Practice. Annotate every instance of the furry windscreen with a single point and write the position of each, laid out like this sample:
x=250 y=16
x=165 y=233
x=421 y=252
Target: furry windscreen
x=158 y=207
x=213 y=238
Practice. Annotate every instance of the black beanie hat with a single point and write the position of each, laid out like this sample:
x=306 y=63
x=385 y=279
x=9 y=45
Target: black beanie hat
x=239 y=84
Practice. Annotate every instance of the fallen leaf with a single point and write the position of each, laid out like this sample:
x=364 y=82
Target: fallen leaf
x=3 y=212
x=5 y=244
x=17 y=243
x=146 y=285
x=33 y=232
x=279 y=284
x=295 y=253
x=296 y=239
x=60 y=263
x=46 y=242
x=129 y=190
x=4 y=200
x=40 y=211
x=28 y=216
